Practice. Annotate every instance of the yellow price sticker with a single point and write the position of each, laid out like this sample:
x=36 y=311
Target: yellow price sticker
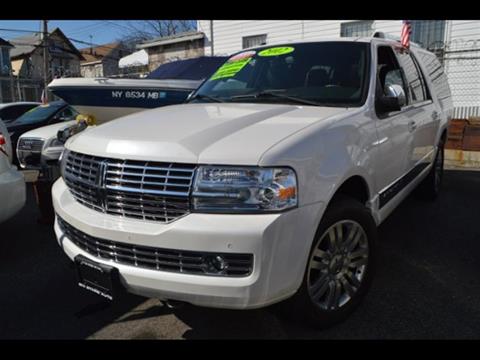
x=230 y=68
x=276 y=51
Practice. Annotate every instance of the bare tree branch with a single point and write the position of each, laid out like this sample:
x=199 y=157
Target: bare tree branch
x=148 y=29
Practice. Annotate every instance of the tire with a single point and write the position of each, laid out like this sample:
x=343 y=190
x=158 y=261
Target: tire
x=430 y=187
x=313 y=308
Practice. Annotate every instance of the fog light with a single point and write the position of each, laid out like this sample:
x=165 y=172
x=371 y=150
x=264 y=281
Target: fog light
x=215 y=264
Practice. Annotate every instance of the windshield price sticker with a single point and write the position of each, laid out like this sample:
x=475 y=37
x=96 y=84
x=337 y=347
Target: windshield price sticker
x=276 y=51
x=233 y=65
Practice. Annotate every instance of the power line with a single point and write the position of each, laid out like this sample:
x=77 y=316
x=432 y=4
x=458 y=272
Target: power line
x=22 y=30
x=92 y=27
x=69 y=38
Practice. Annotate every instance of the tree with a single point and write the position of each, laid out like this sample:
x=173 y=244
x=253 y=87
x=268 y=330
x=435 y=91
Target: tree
x=139 y=31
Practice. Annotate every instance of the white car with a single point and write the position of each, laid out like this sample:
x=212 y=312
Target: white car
x=38 y=150
x=267 y=186
x=12 y=183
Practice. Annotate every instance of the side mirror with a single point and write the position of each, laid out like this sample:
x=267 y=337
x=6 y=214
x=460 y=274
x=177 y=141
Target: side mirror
x=63 y=135
x=394 y=99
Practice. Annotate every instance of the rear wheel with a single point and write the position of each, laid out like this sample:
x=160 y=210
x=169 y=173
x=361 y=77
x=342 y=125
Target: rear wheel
x=429 y=188
x=340 y=266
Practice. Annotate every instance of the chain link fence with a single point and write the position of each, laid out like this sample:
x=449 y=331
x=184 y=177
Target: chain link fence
x=461 y=61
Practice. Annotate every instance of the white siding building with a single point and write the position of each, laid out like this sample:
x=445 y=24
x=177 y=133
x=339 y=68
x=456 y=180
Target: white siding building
x=457 y=43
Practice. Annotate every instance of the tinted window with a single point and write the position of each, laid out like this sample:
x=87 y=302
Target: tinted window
x=415 y=84
x=38 y=114
x=328 y=73
x=389 y=72
x=13 y=112
x=68 y=114
x=436 y=74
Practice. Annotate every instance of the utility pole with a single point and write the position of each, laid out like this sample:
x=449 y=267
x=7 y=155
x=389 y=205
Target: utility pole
x=45 y=58
x=211 y=36
x=12 y=85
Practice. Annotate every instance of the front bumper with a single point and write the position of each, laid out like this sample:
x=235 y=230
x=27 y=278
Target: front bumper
x=44 y=161
x=12 y=193
x=280 y=244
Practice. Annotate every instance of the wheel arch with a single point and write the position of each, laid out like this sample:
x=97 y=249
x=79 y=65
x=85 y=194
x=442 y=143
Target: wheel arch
x=354 y=186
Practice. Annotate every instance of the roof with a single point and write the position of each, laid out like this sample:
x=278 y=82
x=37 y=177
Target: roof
x=138 y=58
x=198 y=68
x=25 y=45
x=5 y=43
x=97 y=53
x=164 y=40
x=4 y=105
x=330 y=39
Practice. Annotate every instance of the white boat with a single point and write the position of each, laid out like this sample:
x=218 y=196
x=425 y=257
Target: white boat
x=105 y=99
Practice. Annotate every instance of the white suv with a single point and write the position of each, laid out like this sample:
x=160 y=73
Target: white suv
x=12 y=182
x=268 y=185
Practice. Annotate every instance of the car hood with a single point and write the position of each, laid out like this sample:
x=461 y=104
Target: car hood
x=49 y=131
x=200 y=133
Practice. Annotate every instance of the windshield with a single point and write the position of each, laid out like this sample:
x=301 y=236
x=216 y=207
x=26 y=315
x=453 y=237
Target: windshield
x=37 y=114
x=325 y=74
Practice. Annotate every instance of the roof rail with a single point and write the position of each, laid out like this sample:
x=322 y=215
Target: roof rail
x=382 y=35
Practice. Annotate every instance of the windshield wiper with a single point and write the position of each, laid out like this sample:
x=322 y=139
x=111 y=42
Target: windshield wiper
x=208 y=97
x=266 y=94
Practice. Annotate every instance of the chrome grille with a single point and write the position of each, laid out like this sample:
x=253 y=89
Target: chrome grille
x=30 y=144
x=137 y=189
x=181 y=261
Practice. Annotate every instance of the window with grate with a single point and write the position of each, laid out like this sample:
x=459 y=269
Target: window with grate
x=356 y=28
x=255 y=40
x=430 y=34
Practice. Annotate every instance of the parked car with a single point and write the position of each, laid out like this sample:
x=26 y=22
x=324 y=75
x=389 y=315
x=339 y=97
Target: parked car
x=39 y=149
x=267 y=187
x=12 y=183
x=51 y=113
x=11 y=111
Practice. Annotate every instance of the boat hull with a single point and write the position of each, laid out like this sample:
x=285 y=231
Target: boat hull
x=110 y=99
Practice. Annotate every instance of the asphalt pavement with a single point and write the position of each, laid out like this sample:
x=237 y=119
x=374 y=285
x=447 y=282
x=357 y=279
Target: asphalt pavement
x=427 y=285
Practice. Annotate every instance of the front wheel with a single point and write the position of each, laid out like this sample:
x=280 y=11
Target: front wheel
x=340 y=266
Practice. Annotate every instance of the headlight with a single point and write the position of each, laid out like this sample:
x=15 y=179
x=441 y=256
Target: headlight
x=63 y=160
x=225 y=189
x=55 y=143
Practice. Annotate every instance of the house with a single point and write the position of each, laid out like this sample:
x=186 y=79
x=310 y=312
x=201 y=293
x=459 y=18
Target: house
x=102 y=60
x=456 y=42
x=6 y=83
x=27 y=62
x=176 y=47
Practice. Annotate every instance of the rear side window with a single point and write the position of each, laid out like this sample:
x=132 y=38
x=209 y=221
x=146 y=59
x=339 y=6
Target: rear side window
x=13 y=112
x=436 y=74
x=417 y=91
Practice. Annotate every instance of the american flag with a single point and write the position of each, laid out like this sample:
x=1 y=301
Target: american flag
x=406 y=30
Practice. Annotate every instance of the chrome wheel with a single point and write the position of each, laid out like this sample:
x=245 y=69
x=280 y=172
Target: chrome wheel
x=338 y=265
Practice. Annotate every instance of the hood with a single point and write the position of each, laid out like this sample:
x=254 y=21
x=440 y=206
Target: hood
x=49 y=131
x=212 y=133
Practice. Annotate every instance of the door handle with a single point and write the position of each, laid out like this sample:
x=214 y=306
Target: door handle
x=412 y=125
x=434 y=115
